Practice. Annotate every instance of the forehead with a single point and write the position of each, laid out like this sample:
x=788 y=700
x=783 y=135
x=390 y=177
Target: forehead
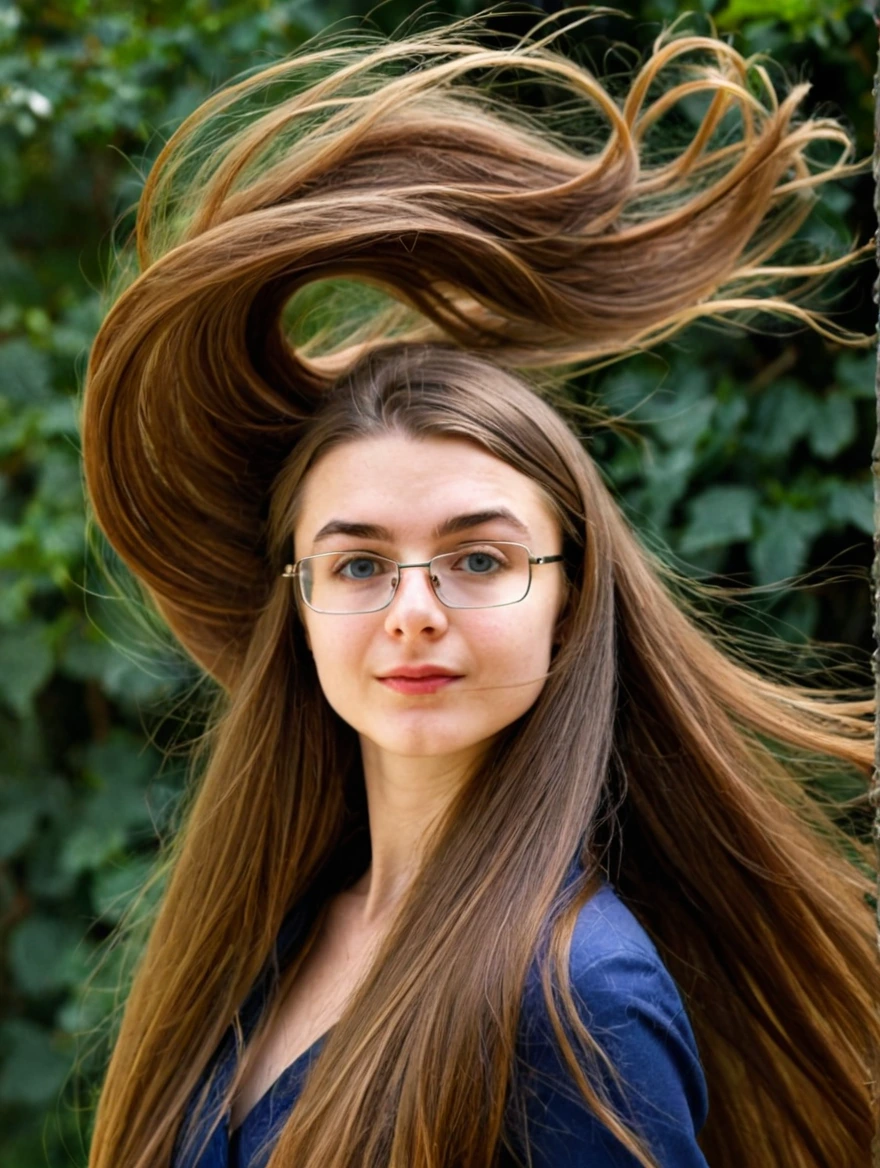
x=411 y=484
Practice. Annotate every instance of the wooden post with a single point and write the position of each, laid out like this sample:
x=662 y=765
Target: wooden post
x=875 y=571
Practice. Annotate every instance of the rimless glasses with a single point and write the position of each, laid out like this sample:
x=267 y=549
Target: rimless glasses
x=481 y=575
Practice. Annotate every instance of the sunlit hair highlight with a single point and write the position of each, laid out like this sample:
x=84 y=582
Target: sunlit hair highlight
x=495 y=249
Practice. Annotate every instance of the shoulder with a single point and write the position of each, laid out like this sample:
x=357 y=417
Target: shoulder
x=615 y=966
x=622 y=983
x=630 y=1004
x=606 y=927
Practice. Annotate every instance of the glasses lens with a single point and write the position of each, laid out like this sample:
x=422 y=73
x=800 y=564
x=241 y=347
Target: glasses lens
x=347 y=581
x=482 y=575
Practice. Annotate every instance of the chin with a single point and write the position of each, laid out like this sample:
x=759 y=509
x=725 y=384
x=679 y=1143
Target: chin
x=421 y=741
x=421 y=746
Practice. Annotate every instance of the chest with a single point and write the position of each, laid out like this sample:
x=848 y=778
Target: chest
x=312 y=999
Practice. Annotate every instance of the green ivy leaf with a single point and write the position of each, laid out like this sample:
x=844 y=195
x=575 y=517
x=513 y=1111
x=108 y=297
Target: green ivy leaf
x=24 y=373
x=25 y=664
x=24 y=802
x=680 y=412
x=120 y=762
x=781 y=547
x=738 y=12
x=58 y=417
x=11 y=537
x=783 y=415
x=856 y=373
x=832 y=426
x=47 y=955
x=47 y=878
x=96 y=998
x=115 y=886
x=666 y=474
x=87 y=847
x=34 y=1068
x=719 y=516
x=59 y=483
x=729 y=415
x=17 y=426
x=16 y=828
x=852 y=503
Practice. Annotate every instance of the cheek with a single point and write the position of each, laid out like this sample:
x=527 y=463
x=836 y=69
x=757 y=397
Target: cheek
x=511 y=659
x=514 y=639
x=338 y=648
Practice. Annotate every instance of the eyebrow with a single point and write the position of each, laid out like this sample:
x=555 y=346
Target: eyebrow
x=451 y=526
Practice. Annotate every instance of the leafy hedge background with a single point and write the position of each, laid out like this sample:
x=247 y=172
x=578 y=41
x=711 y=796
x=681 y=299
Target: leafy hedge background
x=748 y=455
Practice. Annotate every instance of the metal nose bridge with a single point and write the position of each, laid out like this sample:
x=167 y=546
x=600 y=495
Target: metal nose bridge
x=431 y=577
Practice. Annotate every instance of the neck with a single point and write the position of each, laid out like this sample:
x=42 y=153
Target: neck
x=406 y=796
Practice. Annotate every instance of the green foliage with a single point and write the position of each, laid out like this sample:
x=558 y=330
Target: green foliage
x=741 y=456
x=721 y=469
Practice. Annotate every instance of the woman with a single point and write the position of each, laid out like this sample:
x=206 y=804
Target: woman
x=566 y=899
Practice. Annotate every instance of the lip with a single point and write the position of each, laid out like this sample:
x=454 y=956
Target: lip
x=416 y=672
x=419 y=679
x=419 y=685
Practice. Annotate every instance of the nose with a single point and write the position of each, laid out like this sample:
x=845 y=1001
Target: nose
x=415 y=608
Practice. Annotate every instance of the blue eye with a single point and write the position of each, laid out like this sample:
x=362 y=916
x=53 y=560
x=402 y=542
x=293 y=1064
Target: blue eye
x=362 y=568
x=481 y=563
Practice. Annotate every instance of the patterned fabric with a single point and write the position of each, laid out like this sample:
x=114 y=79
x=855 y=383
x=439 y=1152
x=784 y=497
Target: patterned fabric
x=624 y=994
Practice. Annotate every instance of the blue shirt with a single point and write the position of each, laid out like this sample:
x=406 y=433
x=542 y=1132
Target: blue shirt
x=624 y=995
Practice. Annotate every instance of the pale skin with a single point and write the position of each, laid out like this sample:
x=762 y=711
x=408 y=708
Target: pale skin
x=417 y=749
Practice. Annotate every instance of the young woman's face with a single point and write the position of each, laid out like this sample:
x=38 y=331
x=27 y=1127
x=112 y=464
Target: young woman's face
x=410 y=487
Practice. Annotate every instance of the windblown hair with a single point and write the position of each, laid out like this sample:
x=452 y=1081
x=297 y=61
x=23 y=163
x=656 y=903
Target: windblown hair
x=494 y=244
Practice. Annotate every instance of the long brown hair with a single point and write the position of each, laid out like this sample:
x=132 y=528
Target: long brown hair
x=492 y=244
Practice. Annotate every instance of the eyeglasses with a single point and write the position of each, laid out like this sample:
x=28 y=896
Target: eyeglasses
x=481 y=575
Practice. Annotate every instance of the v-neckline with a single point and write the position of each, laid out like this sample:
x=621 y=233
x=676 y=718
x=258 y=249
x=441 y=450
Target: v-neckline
x=293 y=931
x=288 y=1075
